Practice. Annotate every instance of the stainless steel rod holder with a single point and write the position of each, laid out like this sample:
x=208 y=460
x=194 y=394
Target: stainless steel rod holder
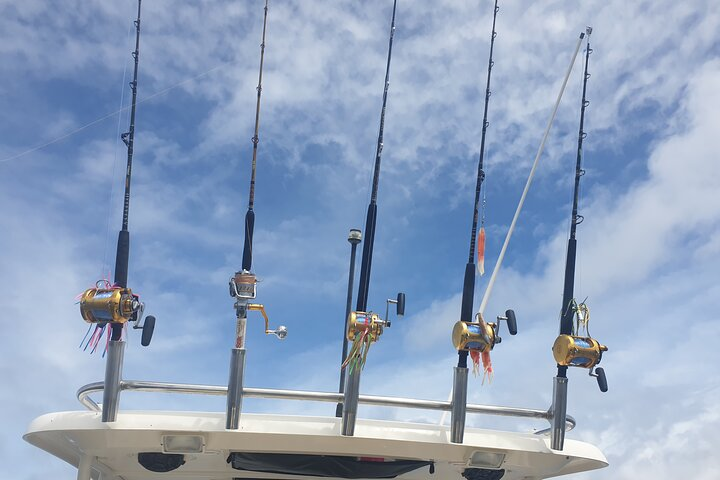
x=459 y=405
x=350 y=402
x=558 y=413
x=113 y=377
x=235 y=388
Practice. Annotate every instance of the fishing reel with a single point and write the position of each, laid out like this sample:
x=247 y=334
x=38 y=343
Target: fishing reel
x=370 y=322
x=243 y=285
x=481 y=336
x=103 y=305
x=581 y=351
x=365 y=323
x=280 y=332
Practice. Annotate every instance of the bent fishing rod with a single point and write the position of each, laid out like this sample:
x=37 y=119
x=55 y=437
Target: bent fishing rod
x=469 y=279
x=123 y=245
x=371 y=218
x=250 y=215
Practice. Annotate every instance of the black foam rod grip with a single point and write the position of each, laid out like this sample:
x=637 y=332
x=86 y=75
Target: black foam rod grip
x=466 y=314
x=366 y=263
x=122 y=258
x=566 y=321
x=247 y=249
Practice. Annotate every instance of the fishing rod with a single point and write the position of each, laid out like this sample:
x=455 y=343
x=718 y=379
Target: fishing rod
x=243 y=285
x=475 y=338
x=469 y=279
x=566 y=319
x=574 y=347
x=363 y=327
x=115 y=304
x=371 y=219
x=250 y=215
x=123 y=245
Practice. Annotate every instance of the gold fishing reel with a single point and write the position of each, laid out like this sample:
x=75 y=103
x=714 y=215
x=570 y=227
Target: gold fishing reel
x=481 y=336
x=361 y=322
x=575 y=351
x=110 y=305
x=474 y=336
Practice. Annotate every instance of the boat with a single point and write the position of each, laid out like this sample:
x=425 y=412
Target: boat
x=106 y=442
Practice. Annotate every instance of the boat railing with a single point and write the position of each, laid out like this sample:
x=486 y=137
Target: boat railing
x=83 y=396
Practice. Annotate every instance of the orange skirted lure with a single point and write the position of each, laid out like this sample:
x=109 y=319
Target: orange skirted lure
x=477 y=357
x=481 y=251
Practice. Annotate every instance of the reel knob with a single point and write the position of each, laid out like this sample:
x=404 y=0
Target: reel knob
x=280 y=332
x=601 y=378
x=147 y=330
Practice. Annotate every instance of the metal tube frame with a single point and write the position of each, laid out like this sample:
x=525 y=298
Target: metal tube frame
x=83 y=396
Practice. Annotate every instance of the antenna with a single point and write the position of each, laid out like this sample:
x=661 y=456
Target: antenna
x=574 y=347
x=366 y=263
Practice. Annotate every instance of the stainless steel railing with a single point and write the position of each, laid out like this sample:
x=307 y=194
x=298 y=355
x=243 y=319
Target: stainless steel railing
x=83 y=395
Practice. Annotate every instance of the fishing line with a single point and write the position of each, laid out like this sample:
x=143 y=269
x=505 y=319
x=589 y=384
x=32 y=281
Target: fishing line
x=105 y=265
x=112 y=114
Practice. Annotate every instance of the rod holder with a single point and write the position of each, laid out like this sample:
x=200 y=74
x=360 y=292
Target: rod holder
x=350 y=402
x=459 y=405
x=113 y=377
x=558 y=413
x=235 y=388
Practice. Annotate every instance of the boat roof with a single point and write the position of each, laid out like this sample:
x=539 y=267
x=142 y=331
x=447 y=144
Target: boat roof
x=113 y=447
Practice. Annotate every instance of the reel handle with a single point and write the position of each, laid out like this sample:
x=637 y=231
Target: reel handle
x=280 y=332
x=399 y=303
x=511 y=321
x=147 y=327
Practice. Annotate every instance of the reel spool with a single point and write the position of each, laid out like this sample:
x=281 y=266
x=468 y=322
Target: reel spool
x=575 y=351
x=243 y=285
x=110 y=305
x=474 y=336
x=359 y=322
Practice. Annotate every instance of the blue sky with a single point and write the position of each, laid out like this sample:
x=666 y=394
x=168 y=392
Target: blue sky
x=649 y=249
